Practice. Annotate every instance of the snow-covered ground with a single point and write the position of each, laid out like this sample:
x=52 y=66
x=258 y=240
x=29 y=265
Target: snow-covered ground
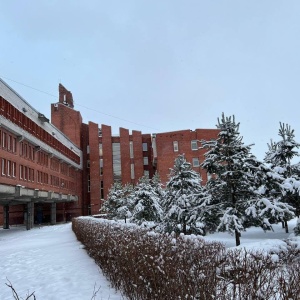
x=256 y=239
x=52 y=263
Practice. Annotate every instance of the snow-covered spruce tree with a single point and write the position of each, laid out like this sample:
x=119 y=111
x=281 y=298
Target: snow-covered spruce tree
x=236 y=187
x=117 y=205
x=157 y=185
x=279 y=158
x=181 y=198
x=146 y=203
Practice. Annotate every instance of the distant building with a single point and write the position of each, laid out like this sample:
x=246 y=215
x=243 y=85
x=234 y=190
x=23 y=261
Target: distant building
x=51 y=172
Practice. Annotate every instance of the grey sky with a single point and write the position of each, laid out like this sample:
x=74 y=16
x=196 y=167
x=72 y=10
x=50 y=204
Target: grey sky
x=167 y=65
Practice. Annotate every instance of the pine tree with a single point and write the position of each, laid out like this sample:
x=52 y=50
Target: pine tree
x=236 y=187
x=181 y=197
x=279 y=157
x=157 y=185
x=117 y=205
x=146 y=203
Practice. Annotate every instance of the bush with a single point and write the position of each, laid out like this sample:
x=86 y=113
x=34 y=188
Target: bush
x=147 y=265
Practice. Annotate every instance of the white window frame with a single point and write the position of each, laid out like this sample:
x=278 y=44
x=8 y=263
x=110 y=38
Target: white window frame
x=132 y=171
x=194 y=145
x=196 y=162
x=14 y=169
x=8 y=167
x=131 y=149
x=146 y=160
x=3 y=166
x=175 y=146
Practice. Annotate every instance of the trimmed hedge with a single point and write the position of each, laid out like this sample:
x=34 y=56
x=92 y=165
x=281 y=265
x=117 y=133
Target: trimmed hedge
x=147 y=265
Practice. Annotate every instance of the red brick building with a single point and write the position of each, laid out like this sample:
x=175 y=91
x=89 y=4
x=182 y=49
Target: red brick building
x=41 y=168
x=54 y=171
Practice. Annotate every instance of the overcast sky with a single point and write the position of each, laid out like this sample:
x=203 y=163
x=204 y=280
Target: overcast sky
x=159 y=66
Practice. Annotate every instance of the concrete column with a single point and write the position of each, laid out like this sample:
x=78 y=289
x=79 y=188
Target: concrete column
x=30 y=215
x=53 y=213
x=6 y=217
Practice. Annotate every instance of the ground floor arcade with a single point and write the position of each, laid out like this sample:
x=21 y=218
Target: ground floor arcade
x=20 y=205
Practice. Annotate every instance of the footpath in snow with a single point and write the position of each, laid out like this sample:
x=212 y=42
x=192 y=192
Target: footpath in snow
x=50 y=262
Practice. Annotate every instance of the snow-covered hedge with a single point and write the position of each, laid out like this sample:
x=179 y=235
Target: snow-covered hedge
x=148 y=265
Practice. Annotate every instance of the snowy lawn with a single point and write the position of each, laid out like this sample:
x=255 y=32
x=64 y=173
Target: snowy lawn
x=256 y=239
x=50 y=262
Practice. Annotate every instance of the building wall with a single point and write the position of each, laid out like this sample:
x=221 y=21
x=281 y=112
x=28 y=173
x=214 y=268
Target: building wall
x=36 y=156
x=94 y=167
x=166 y=153
x=71 y=157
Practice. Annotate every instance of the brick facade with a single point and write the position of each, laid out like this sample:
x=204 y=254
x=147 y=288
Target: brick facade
x=69 y=159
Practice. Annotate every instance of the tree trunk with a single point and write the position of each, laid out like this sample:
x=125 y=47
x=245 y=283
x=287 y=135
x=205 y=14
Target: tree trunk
x=237 y=238
x=184 y=227
x=125 y=219
x=282 y=223
x=286 y=226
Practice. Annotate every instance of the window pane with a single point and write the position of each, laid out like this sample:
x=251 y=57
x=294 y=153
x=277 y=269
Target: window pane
x=196 y=162
x=175 y=146
x=132 y=171
x=131 y=149
x=117 y=161
x=146 y=161
x=194 y=145
x=145 y=147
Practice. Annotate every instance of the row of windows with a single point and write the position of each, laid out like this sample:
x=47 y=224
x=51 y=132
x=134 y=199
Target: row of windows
x=14 y=115
x=42 y=158
x=61 y=183
x=194 y=145
x=7 y=141
x=8 y=169
x=27 y=151
x=145 y=148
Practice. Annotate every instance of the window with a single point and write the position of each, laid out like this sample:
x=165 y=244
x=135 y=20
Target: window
x=131 y=149
x=145 y=147
x=21 y=172
x=25 y=172
x=9 y=142
x=88 y=163
x=146 y=173
x=21 y=148
x=131 y=171
x=3 y=139
x=88 y=149
x=146 y=162
x=175 y=146
x=101 y=166
x=13 y=171
x=3 y=166
x=194 y=145
x=196 y=162
x=8 y=168
x=100 y=150
x=14 y=142
x=116 y=153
